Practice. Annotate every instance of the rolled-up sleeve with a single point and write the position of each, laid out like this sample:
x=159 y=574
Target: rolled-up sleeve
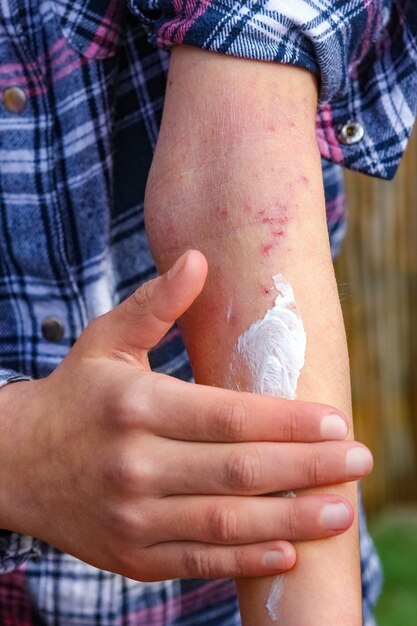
x=363 y=52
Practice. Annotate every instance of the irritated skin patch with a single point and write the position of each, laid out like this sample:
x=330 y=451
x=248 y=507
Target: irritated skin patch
x=273 y=219
x=269 y=357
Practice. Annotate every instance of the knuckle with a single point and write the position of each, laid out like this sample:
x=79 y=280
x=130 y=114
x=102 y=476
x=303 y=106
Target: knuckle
x=119 y=472
x=232 y=419
x=293 y=434
x=243 y=471
x=142 y=297
x=130 y=408
x=198 y=563
x=223 y=525
x=122 y=408
x=291 y=522
x=289 y=423
x=239 y=563
x=314 y=469
x=124 y=473
x=128 y=525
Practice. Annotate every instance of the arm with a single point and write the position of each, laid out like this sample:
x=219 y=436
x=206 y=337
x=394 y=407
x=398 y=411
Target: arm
x=237 y=174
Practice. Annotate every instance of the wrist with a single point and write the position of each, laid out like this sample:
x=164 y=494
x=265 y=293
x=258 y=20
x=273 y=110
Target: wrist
x=18 y=413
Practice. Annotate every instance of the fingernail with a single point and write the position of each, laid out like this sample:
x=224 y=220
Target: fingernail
x=178 y=266
x=273 y=560
x=335 y=516
x=358 y=461
x=333 y=427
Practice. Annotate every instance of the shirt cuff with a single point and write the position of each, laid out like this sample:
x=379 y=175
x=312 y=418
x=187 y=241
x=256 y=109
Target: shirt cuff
x=10 y=376
x=15 y=549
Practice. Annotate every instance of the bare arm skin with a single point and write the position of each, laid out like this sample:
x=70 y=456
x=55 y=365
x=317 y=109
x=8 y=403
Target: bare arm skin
x=237 y=175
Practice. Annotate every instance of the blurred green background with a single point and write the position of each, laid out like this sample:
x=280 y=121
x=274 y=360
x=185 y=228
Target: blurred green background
x=377 y=278
x=395 y=535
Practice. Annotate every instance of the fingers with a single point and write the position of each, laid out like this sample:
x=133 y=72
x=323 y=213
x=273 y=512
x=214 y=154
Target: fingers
x=197 y=560
x=257 y=468
x=139 y=322
x=218 y=415
x=233 y=520
x=234 y=537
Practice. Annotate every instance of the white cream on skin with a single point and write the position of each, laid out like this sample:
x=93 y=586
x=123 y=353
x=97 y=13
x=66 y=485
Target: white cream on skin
x=274 y=597
x=270 y=355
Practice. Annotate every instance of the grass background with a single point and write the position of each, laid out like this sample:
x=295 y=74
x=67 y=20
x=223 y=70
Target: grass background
x=395 y=535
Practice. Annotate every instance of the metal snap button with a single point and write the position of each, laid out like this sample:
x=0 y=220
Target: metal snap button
x=350 y=133
x=53 y=329
x=14 y=99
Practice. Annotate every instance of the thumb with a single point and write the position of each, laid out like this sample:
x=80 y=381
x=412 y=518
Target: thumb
x=138 y=323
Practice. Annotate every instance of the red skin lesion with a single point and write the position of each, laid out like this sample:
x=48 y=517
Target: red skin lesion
x=222 y=211
x=270 y=220
x=276 y=219
x=266 y=249
x=265 y=290
x=278 y=215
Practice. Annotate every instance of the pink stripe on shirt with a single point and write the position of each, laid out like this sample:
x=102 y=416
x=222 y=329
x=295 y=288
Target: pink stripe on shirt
x=209 y=594
x=107 y=31
x=374 y=16
x=175 y=30
x=15 y=601
x=16 y=75
x=327 y=140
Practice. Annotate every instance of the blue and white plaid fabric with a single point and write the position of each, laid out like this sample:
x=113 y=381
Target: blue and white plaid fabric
x=363 y=51
x=73 y=167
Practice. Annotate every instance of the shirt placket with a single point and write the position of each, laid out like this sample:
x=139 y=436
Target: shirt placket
x=49 y=310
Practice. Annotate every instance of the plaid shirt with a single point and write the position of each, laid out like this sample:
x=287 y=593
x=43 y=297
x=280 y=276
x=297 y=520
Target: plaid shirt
x=73 y=167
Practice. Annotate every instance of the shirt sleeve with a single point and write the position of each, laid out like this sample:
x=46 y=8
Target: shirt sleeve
x=15 y=548
x=363 y=54
x=10 y=376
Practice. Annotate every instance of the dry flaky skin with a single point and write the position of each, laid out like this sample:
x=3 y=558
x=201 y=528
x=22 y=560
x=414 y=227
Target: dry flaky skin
x=237 y=175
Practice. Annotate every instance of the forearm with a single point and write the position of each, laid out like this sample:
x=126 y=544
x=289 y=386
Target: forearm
x=244 y=186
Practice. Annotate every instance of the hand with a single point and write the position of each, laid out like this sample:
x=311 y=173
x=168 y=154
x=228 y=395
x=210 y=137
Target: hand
x=154 y=478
